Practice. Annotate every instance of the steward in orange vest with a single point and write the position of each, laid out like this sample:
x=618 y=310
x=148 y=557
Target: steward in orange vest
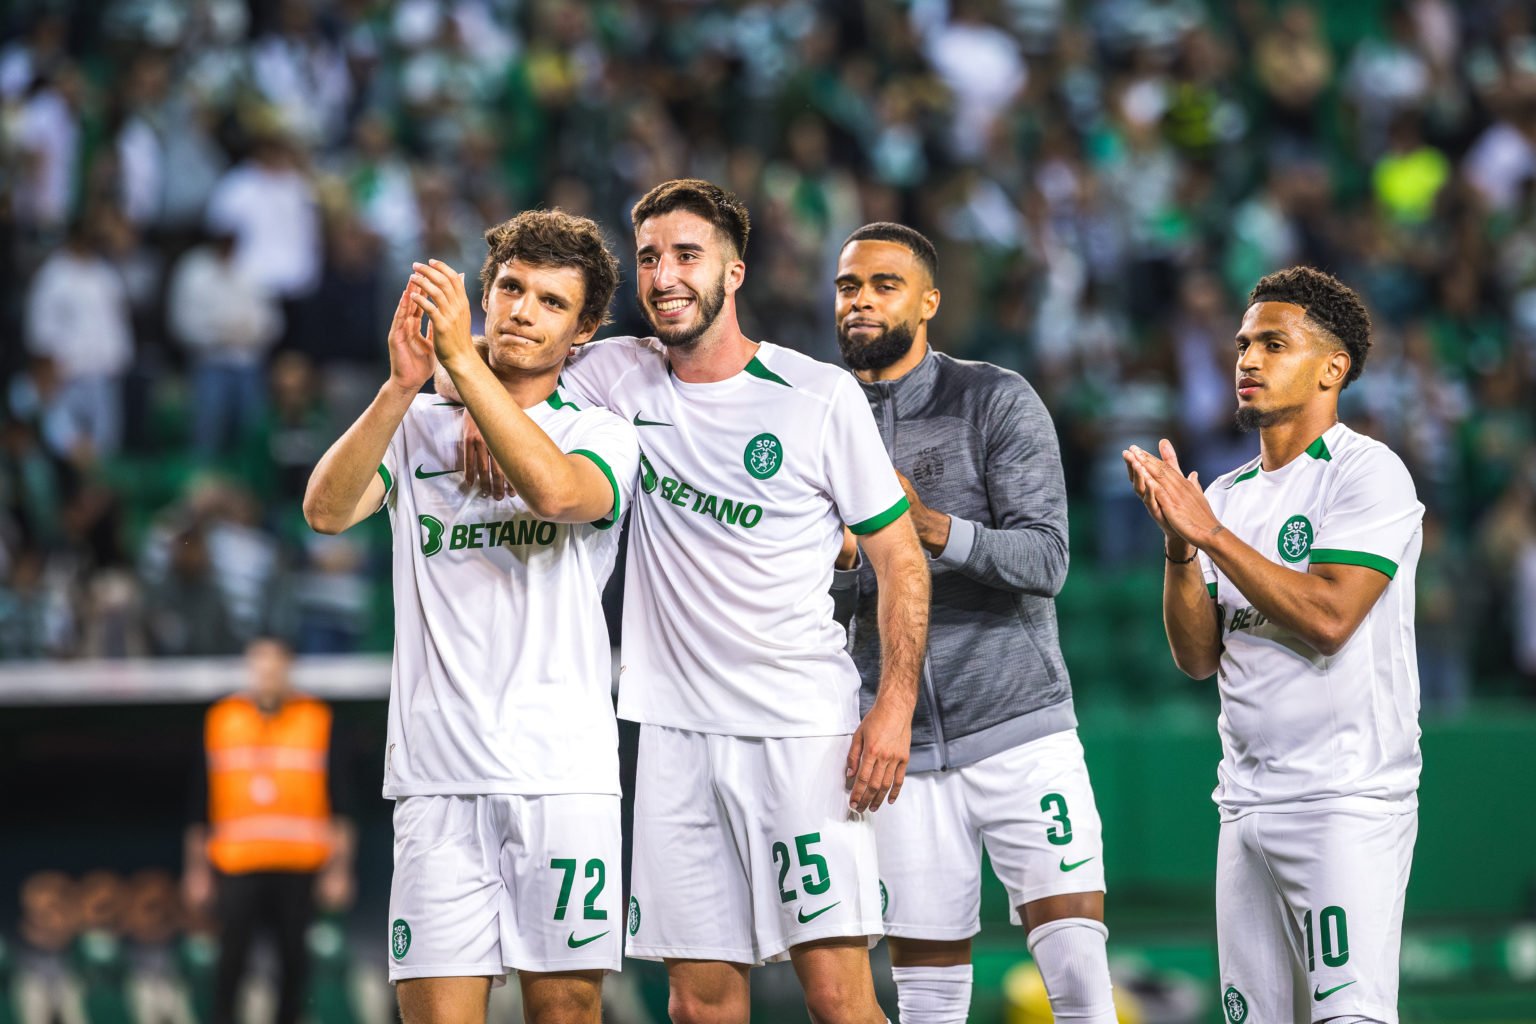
x=270 y=836
x=268 y=809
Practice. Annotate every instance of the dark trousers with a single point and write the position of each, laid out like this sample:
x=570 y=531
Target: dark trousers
x=281 y=903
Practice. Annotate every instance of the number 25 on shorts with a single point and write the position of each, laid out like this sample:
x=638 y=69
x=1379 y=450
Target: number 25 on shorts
x=818 y=881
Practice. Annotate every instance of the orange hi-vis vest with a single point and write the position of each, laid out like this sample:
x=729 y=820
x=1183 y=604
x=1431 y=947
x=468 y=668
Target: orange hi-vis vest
x=268 y=809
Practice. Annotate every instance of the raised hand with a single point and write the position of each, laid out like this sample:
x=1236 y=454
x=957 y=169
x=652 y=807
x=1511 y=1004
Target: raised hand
x=1175 y=501
x=441 y=296
x=411 y=361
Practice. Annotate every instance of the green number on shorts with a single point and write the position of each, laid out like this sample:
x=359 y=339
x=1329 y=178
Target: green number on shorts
x=822 y=880
x=1334 y=929
x=568 y=865
x=1057 y=836
x=816 y=883
x=781 y=858
x=589 y=909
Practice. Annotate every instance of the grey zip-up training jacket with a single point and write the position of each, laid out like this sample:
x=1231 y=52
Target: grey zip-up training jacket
x=978 y=444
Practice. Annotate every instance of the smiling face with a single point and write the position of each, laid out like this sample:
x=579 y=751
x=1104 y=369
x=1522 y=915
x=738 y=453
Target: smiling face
x=1284 y=364
x=884 y=297
x=533 y=317
x=686 y=271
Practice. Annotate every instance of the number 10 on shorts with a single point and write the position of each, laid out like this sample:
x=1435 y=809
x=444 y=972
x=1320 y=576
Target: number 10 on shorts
x=1333 y=936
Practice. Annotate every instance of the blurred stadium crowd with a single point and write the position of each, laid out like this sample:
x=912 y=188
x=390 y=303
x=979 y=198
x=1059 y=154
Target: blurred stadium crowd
x=207 y=208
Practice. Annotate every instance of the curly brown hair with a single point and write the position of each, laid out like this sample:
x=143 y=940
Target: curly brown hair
x=722 y=209
x=1329 y=303
x=554 y=238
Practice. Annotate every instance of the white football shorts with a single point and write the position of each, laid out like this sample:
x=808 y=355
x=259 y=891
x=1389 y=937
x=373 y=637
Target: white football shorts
x=487 y=884
x=745 y=846
x=1309 y=914
x=1031 y=807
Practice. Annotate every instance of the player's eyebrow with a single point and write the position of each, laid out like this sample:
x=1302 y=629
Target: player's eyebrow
x=1273 y=334
x=507 y=277
x=882 y=276
x=651 y=250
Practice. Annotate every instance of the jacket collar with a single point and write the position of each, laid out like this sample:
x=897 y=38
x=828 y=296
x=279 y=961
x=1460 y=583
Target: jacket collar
x=913 y=388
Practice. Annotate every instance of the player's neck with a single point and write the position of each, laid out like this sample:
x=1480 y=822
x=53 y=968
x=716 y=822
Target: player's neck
x=903 y=366
x=529 y=389
x=1283 y=442
x=720 y=354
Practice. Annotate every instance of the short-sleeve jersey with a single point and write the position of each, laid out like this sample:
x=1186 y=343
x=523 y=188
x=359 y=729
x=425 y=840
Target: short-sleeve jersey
x=502 y=670
x=745 y=485
x=1298 y=727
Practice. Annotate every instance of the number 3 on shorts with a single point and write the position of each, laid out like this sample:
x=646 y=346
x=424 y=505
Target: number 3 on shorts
x=589 y=908
x=1059 y=834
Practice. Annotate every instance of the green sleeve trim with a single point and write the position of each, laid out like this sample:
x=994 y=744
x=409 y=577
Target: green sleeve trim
x=1329 y=556
x=389 y=481
x=1210 y=588
x=389 y=485
x=607 y=522
x=885 y=518
x=757 y=369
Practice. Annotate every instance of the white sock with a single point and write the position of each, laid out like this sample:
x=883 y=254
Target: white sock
x=933 y=995
x=1071 y=956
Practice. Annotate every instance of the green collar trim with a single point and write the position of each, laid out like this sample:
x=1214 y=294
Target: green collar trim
x=1249 y=475
x=757 y=369
x=1319 y=450
x=554 y=401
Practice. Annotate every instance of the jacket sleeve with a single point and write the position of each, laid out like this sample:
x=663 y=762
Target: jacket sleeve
x=1024 y=548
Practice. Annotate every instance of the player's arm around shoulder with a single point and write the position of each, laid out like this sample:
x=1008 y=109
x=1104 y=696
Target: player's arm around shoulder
x=594 y=368
x=348 y=483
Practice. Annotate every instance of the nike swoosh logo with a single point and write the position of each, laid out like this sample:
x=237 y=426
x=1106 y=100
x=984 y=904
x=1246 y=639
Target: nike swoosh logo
x=1320 y=996
x=805 y=918
x=576 y=943
x=1073 y=867
x=420 y=475
x=637 y=421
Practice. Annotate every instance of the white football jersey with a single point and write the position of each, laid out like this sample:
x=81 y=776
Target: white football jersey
x=502 y=668
x=1298 y=727
x=745 y=486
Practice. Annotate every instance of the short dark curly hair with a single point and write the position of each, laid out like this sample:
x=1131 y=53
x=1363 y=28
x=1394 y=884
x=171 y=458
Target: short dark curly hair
x=721 y=208
x=1329 y=303
x=554 y=238
x=912 y=239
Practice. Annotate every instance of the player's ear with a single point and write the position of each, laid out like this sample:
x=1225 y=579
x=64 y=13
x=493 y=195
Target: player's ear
x=735 y=274
x=930 y=304
x=585 y=332
x=1335 y=369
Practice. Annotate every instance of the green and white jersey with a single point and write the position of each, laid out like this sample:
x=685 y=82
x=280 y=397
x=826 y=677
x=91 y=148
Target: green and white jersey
x=745 y=486
x=1298 y=727
x=502 y=667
